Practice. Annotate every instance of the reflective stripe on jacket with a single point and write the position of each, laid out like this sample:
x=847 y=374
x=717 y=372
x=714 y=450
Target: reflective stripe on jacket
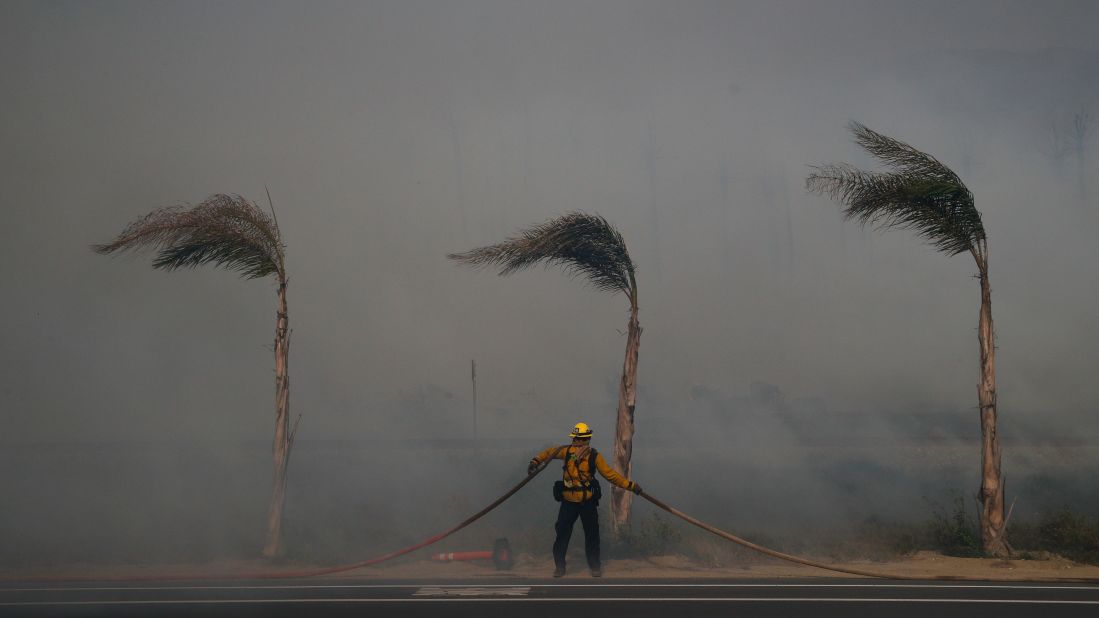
x=576 y=471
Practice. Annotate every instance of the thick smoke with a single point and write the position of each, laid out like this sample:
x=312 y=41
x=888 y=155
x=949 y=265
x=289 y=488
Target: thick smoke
x=789 y=358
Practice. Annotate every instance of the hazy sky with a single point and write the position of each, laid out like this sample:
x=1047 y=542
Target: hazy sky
x=392 y=133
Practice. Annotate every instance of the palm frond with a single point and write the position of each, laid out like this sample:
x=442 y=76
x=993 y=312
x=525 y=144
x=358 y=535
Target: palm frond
x=584 y=244
x=224 y=230
x=921 y=194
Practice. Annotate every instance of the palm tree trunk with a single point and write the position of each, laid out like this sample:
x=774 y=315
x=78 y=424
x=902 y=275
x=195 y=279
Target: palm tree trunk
x=281 y=447
x=623 y=436
x=992 y=488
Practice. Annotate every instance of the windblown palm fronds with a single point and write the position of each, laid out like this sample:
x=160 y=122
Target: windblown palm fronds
x=921 y=194
x=584 y=244
x=231 y=232
x=224 y=230
x=589 y=246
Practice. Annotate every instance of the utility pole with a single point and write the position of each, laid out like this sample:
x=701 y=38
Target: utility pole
x=473 y=376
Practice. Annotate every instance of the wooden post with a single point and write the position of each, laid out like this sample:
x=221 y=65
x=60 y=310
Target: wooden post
x=473 y=375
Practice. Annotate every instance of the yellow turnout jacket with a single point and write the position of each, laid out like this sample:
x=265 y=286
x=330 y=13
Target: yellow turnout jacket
x=576 y=471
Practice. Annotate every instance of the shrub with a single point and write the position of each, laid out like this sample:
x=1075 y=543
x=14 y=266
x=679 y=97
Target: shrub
x=1060 y=531
x=955 y=533
x=653 y=536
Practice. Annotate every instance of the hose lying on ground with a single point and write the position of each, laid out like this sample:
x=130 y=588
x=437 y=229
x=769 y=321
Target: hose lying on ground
x=770 y=552
x=300 y=573
x=820 y=565
x=478 y=515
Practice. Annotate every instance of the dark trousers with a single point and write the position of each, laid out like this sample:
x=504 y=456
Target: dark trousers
x=566 y=518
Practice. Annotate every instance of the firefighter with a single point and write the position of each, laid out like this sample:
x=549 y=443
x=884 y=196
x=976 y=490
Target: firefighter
x=579 y=493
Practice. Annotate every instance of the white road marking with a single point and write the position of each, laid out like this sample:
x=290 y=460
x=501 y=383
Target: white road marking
x=470 y=591
x=551 y=600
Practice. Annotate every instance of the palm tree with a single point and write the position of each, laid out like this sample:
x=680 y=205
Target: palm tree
x=231 y=232
x=588 y=246
x=923 y=195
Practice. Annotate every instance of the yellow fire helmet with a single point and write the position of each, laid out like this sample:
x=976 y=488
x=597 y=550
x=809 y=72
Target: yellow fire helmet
x=581 y=430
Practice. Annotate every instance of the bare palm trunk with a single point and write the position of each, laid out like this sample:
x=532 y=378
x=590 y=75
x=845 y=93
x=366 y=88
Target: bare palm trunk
x=623 y=435
x=992 y=489
x=281 y=447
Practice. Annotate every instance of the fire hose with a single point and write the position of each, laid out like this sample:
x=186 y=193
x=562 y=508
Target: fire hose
x=478 y=515
x=770 y=552
x=305 y=572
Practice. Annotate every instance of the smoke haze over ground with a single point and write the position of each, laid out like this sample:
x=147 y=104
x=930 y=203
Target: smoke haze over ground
x=788 y=357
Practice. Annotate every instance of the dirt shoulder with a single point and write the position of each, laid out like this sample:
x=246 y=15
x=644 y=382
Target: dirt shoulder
x=921 y=565
x=927 y=565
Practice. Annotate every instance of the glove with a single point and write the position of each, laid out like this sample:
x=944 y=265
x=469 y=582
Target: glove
x=532 y=466
x=635 y=488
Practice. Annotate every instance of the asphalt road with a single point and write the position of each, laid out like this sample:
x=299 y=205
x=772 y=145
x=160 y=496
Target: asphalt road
x=531 y=598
